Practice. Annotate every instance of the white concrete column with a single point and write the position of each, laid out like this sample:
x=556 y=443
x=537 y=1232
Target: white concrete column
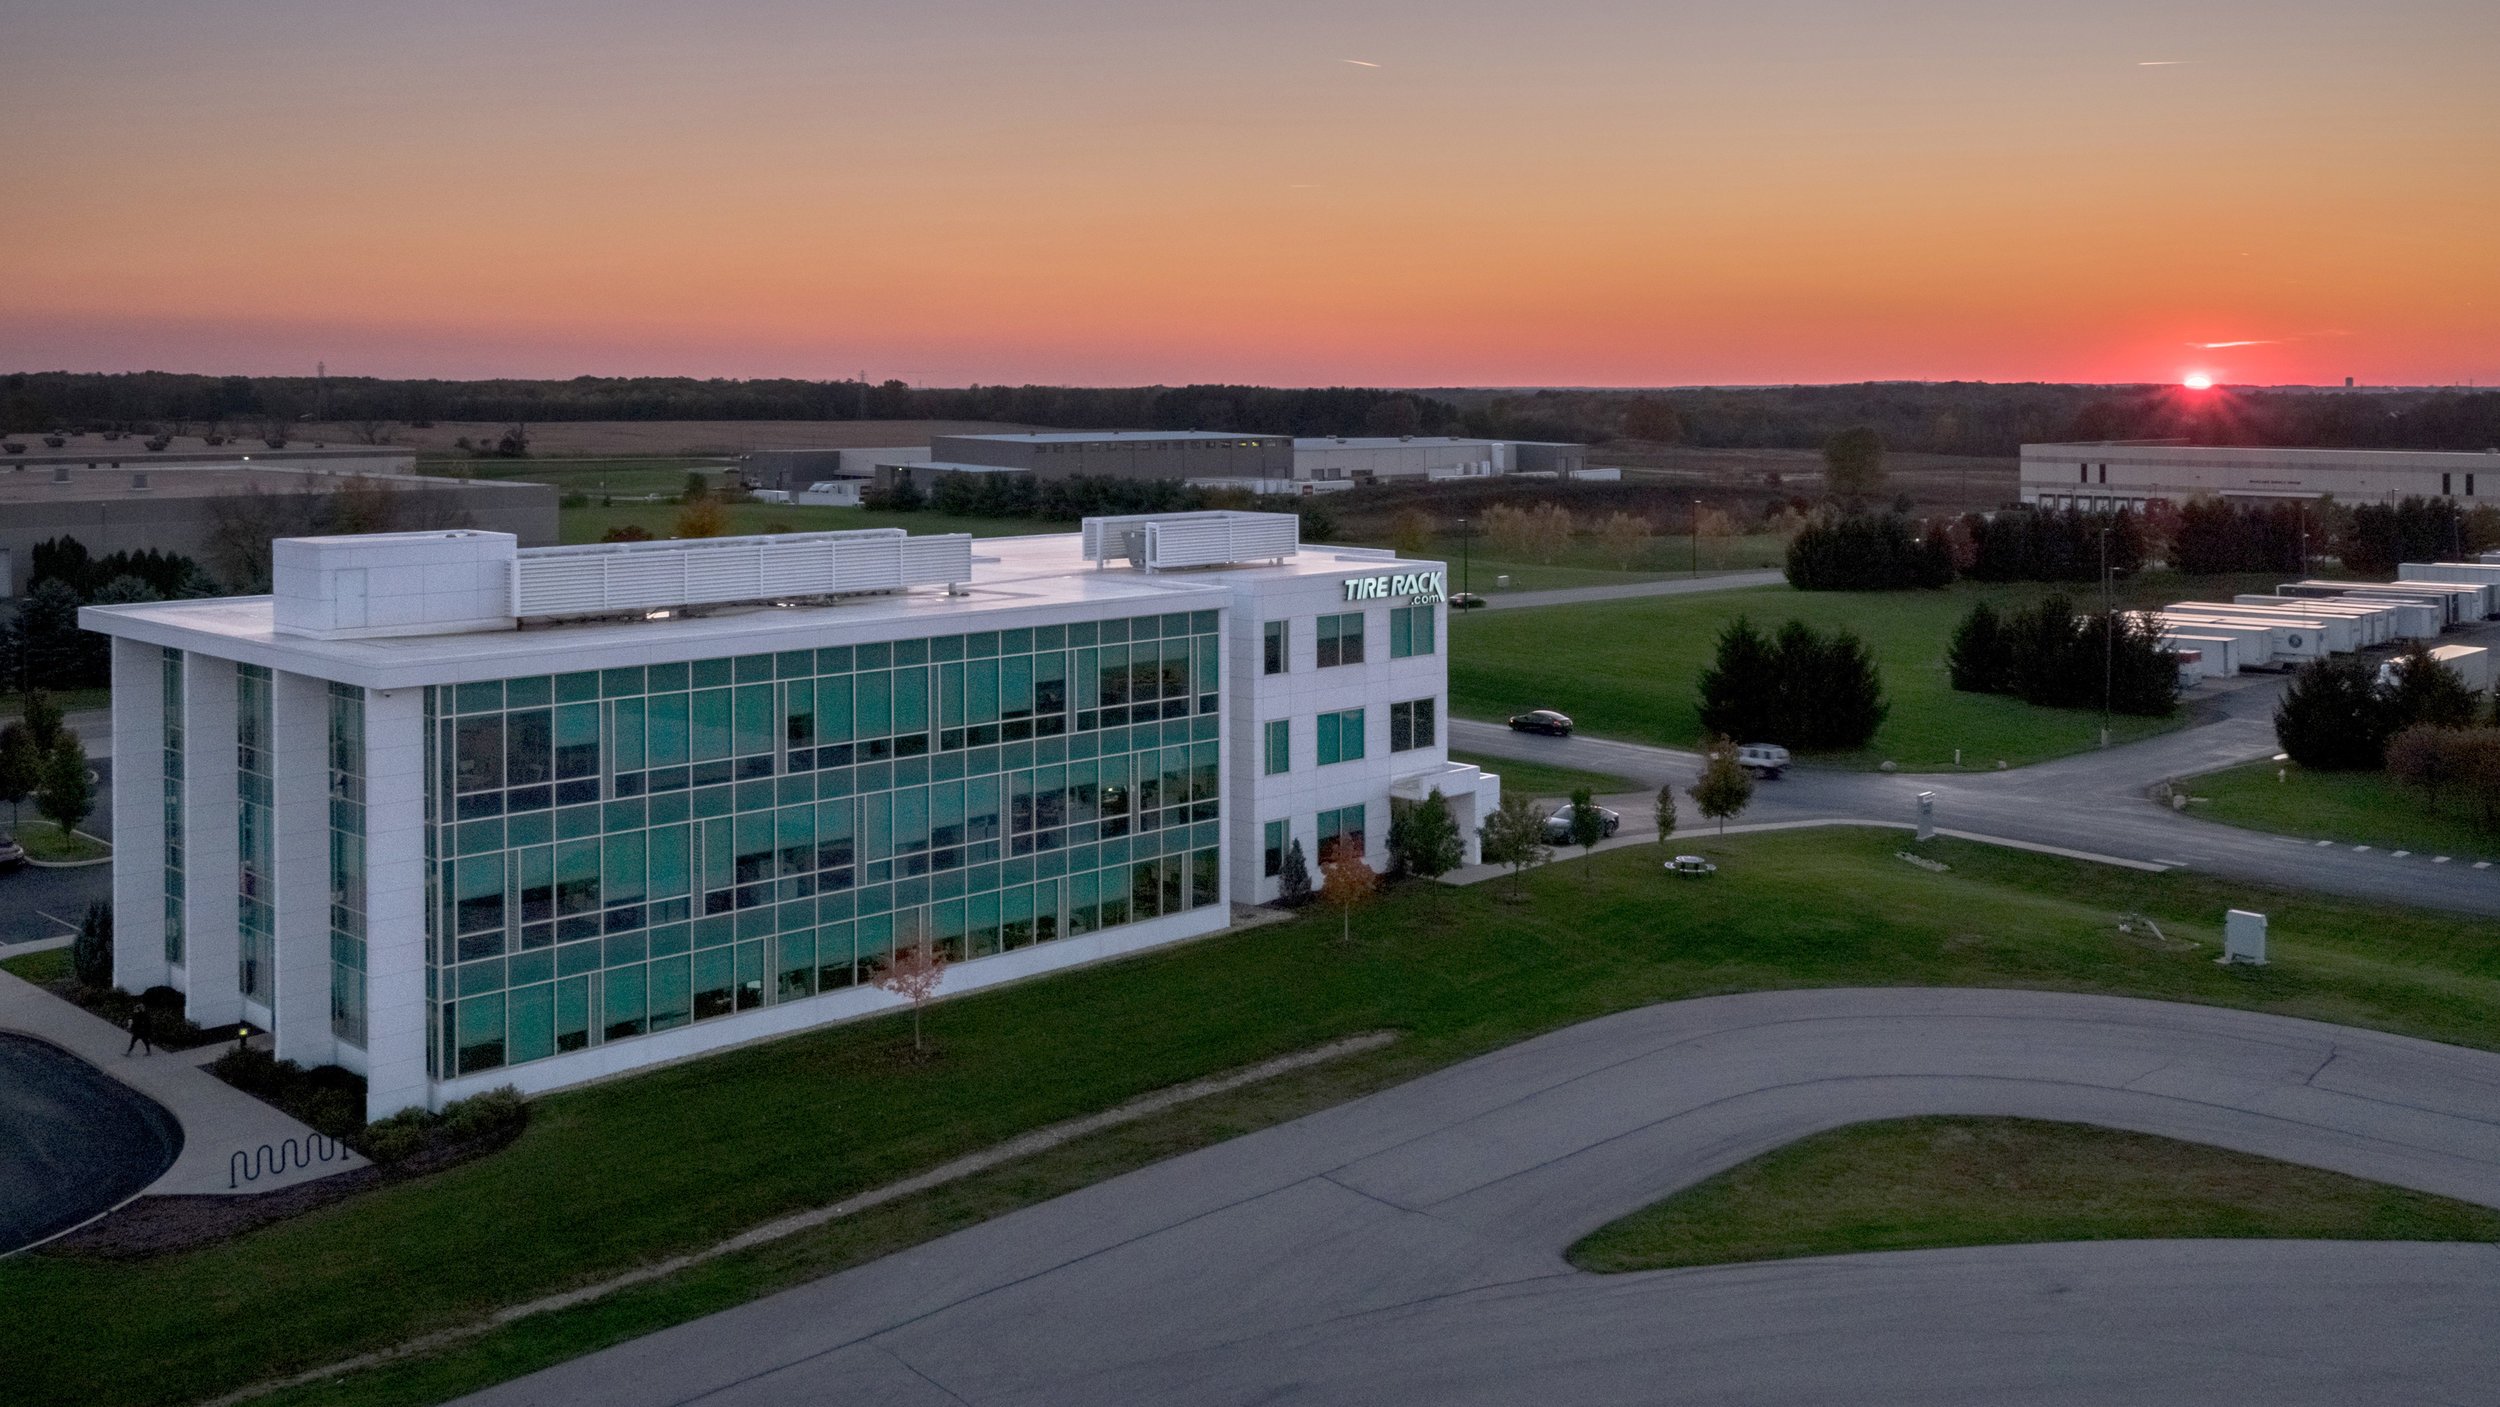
x=138 y=816
x=395 y=1075
x=300 y=791
x=212 y=848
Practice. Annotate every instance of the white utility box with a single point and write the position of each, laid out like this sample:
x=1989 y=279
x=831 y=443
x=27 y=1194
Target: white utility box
x=2243 y=937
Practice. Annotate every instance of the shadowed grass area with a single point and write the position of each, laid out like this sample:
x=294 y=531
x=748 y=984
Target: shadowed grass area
x=2356 y=808
x=1912 y=1184
x=1631 y=669
x=1538 y=779
x=619 y=1174
x=50 y=965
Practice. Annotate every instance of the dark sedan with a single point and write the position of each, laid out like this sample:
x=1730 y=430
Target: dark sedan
x=1542 y=720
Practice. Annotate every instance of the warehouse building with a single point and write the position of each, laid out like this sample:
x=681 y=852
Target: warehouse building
x=173 y=504
x=2135 y=473
x=456 y=813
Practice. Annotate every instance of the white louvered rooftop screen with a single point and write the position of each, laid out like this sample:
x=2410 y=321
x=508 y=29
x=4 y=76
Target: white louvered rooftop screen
x=600 y=578
x=1207 y=539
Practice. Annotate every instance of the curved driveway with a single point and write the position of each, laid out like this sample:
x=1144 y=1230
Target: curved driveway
x=2093 y=801
x=1407 y=1247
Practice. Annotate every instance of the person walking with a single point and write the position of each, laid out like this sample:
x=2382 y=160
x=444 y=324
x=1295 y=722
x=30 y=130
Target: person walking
x=140 y=1030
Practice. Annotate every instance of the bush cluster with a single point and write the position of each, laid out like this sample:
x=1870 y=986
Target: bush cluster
x=2437 y=762
x=1802 y=689
x=2051 y=656
x=497 y=1113
x=2338 y=715
x=1866 y=552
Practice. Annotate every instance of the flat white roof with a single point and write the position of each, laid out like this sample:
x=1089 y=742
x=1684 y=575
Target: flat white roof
x=1034 y=580
x=1061 y=437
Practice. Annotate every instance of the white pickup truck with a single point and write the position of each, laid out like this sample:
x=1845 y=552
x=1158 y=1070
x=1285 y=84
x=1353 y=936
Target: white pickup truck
x=1765 y=760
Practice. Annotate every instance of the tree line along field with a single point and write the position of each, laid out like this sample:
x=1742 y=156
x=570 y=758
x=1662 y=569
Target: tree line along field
x=625 y=1172
x=1628 y=669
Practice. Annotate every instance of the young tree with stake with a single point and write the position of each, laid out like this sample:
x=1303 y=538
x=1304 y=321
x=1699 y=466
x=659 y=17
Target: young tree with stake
x=914 y=974
x=1588 y=824
x=1348 y=884
x=1724 y=787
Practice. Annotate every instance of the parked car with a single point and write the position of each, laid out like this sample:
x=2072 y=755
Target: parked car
x=1465 y=601
x=12 y=854
x=1558 y=825
x=1766 y=760
x=1691 y=867
x=1542 y=720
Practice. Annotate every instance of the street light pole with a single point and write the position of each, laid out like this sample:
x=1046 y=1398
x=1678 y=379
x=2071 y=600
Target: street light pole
x=1696 y=539
x=1466 y=542
x=2109 y=631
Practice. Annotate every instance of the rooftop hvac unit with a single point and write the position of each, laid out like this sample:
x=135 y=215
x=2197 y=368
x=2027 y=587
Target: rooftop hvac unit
x=1159 y=541
x=638 y=576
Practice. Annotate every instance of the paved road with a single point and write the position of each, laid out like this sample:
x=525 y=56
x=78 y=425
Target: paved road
x=1407 y=1247
x=2092 y=801
x=36 y=904
x=1685 y=586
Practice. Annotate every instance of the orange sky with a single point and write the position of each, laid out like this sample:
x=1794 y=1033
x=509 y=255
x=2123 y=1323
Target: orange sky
x=1617 y=193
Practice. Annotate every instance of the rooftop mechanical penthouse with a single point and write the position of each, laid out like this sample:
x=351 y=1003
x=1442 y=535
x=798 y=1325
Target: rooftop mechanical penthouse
x=454 y=813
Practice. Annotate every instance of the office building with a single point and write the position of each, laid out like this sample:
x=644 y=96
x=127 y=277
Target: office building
x=455 y=813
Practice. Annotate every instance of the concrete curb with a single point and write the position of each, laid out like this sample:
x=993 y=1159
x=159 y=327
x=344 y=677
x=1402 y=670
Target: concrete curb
x=1478 y=874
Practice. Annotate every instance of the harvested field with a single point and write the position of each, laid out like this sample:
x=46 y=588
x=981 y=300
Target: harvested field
x=668 y=437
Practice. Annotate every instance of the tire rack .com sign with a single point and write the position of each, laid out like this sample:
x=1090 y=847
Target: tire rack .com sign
x=1417 y=588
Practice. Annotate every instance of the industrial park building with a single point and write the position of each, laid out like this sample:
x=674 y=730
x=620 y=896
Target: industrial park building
x=169 y=502
x=455 y=813
x=2134 y=474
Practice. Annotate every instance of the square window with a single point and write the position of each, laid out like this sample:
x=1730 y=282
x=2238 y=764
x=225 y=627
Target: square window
x=1341 y=639
x=1341 y=737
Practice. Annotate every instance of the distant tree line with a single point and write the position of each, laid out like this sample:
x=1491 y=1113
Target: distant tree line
x=2051 y=656
x=1801 y=689
x=2051 y=544
x=1942 y=418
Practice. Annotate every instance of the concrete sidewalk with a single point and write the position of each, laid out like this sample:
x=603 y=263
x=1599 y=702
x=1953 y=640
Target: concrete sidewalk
x=231 y=1142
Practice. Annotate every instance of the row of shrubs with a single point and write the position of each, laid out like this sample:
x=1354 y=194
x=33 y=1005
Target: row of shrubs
x=2052 y=656
x=332 y=1101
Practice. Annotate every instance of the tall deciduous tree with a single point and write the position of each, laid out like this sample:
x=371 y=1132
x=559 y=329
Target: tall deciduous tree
x=1588 y=825
x=67 y=794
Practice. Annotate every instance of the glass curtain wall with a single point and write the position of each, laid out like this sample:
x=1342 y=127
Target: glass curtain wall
x=255 y=869
x=347 y=863
x=173 y=805
x=627 y=851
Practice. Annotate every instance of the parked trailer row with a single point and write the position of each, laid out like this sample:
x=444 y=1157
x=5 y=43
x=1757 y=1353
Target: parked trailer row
x=2450 y=603
x=2483 y=574
x=2371 y=623
x=2267 y=637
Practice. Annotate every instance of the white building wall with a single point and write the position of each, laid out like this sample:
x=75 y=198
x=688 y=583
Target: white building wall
x=138 y=816
x=212 y=942
x=2101 y=476
x=395 y=1024
x=300 y=790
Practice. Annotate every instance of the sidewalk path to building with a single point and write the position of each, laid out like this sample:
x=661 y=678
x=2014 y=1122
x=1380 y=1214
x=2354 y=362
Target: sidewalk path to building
x=231 y=1142
x=1408 y=1247
x=2092 y=802
x=1681 y=586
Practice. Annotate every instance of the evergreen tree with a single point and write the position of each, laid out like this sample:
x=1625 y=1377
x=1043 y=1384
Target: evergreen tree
x=1849 y=694
x=1980 y=658
x=91 y=955
x=2426 y=691
x=2332 y=718
x=21 y=769
x=1740 y=691
x=1293 y=882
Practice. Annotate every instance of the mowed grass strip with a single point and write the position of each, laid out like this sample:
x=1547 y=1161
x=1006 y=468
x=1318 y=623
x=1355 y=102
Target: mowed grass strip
x=2354 y=808
x=1914 y=1184
x=1631 y=669
x=1541 y=779
x=620 y=1174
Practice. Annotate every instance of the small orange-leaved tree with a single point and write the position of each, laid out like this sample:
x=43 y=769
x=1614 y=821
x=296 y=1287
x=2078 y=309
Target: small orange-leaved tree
x=914 y=973
x=1346 y=884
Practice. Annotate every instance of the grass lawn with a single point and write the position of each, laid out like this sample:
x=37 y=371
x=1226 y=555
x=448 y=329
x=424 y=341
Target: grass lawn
x=1538 y=779
x=1910 y=1184
x=593 y=475
x=46 y=841
x=50 y=965
x=1629 y=669
x=622 y=1173
x=1586 y=563
x=2356 y=808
